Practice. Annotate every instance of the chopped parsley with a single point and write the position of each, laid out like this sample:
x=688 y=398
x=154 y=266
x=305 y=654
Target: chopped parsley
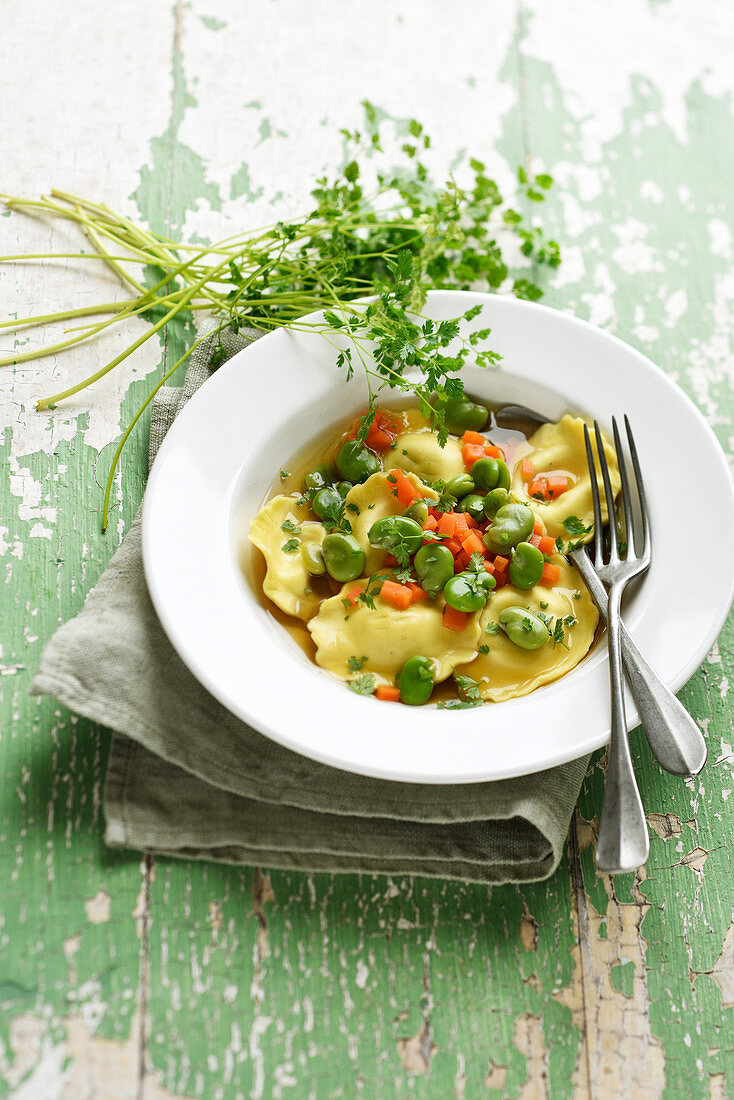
x=484 y=649
x=456 y=704
x=289 y=525
x=446 y=500
x=492 y=628
x=354 y=664
x=476 y=562
x=363 y=685
x=333 y=517
x=284 y=474
x=575 y=527
x=468 y=690
x=291 y=546
x=367 y=596
x=557 y=627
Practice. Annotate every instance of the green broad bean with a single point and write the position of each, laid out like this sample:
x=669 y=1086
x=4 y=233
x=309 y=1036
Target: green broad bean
x=355 y=463
x=326 y=502
x=474 y=505
x=343 y=487
x=465 y=416
x=434 y=565
x=319 y=477
x=415 y=681
x=418 y=511
x=523 y=628
x=396 y=533
x=491 y=473
x=344 y=558
x=512 y=524
x=526 y=565
x=460 y=486
x=494 y=501
x=469 y=591
x=313 y=558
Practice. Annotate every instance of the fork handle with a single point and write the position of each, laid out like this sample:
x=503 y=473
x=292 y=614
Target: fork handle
x=623 y=843
x=674 y=737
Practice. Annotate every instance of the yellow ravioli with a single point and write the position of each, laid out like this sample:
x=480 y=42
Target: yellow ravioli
x=374 y=499
x=286 y=579
x=560 y=448
x=419 y=453
x=387 y=637
x=507 y=671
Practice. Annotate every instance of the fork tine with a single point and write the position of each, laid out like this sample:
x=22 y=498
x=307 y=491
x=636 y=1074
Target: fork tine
x=645 y=548
x=626 y=497
x=613 y=541
x=598 y=541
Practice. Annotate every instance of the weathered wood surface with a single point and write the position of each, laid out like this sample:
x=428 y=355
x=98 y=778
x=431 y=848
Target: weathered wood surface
x=123 y=978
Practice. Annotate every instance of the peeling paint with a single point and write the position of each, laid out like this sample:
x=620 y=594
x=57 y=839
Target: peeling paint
x=98 y=908
x=665 y=825
x=417 y=1052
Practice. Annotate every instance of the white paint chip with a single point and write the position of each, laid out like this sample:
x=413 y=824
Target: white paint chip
x=98 y=907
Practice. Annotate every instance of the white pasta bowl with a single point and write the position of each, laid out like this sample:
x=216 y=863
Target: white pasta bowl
x=221 y=455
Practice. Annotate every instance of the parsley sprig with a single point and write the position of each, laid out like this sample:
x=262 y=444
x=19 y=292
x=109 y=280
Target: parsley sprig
x=394 y=235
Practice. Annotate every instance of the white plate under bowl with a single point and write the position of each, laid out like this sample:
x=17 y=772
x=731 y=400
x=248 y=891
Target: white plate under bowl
x=219 y=459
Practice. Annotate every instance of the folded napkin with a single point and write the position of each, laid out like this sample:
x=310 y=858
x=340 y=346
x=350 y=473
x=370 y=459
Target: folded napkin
x=186 y=778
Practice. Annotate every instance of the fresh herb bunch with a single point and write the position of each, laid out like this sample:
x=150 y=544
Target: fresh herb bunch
x=393 y=243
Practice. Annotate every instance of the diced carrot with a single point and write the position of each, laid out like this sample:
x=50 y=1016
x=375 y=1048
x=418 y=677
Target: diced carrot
x=547 y=545
x=454 y=546
x=390 y=560
x=534 y=539
x=447 y=524
x=417 y=593
x=551 y=573
x=397 y=594
x=378 y=440
x=461 y=561
x=382 y=431
x=490 y=451
x=404 y=489
x=501 y=568
x=470 y=521
x=472 y=543
x=538 y=528
x=474 y=437
x=527 y=469
x=461 y=527
x=388 y=694
x=431 y=524
x=556 y=485
x=453 y=619
x=489 y=567
x=353 y=594
x=471 y=453
x=538 y=487
x=548 y=488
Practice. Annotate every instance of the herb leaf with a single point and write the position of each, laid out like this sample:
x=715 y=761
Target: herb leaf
x=575 y=526
x=363 y=685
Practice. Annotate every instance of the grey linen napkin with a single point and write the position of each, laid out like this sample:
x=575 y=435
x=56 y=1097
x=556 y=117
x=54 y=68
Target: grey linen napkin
x=186 y=778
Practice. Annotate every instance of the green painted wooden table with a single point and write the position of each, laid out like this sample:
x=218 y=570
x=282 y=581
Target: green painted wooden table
x=123 y=976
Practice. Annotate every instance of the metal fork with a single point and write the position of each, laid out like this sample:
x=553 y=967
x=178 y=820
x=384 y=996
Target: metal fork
x=623 y=843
